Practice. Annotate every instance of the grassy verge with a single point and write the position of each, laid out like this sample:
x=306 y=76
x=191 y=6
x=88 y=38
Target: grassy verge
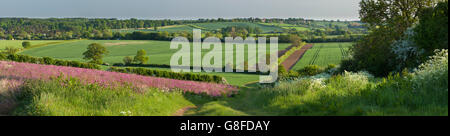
x=39 y=98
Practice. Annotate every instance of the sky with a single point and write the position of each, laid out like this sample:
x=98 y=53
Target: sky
x=182 y=9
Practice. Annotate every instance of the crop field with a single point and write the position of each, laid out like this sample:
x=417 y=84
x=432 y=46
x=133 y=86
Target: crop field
x=159 y=52
x=205 y=27
x=18 y=43
x=323 y=54
x=170 y=29
x=288 y=26
x=217 y=26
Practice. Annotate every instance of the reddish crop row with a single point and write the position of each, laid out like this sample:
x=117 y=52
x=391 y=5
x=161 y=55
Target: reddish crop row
x=108 y=79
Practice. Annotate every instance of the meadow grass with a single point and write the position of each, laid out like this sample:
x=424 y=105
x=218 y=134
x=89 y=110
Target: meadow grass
x=352 y=94
x=18 y=43
x=39 y=98
x=423 y=92
x=323 y=54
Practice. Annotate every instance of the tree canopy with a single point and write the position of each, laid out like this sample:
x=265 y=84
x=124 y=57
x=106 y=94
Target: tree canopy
x=95 y=53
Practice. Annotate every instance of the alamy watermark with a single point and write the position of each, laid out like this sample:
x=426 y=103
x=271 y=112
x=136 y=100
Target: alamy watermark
x=228 y=57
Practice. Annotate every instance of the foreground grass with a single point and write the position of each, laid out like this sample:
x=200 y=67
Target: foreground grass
x=39 y=98
x=345 y=95
x=423 y=92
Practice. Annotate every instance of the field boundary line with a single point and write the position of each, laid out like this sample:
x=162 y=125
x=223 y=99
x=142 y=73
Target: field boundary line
x=316 y=55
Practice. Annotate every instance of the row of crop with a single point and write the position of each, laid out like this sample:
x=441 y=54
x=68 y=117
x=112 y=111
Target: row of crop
x=290 y=52
x=171 y=75
x=316 y=55
x=47 y=61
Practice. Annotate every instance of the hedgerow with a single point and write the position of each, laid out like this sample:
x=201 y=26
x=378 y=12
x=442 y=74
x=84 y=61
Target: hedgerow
x=48 y=61
x=171 y=75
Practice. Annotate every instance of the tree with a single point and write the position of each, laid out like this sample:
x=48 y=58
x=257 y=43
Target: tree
x=396 y=15
x=387 y=20
x=95 y=52
x=26 y=44
x=432 y=31
x=2 y=35
x=10 y=37
x=141 y=57
x=128 y=60
x=295 y=40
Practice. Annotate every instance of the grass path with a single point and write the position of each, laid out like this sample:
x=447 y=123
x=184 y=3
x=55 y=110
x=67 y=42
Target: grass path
x=182 y=111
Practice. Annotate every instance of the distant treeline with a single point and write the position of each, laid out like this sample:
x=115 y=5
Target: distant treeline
x=100 y=29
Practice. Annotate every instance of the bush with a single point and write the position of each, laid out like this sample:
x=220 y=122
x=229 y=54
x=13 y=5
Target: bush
x=3 y=56
x=311 y=70
x=127 y=60
x=433 y=74
x=26 y=44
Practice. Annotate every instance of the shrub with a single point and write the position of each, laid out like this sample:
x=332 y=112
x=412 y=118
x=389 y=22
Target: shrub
x=26 y=44
x=127 y=60
x=310 y=70
x=141 y=57
x=433 y=74
x=11 y=50
x=3 y=56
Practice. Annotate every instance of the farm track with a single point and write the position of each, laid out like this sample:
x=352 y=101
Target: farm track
x=181 y=112
x=295 y=57
x=316 y=55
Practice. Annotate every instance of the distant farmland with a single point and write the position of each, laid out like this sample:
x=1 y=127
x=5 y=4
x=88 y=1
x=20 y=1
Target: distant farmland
x=206 y=27
x=323 y=54
x=158 y=51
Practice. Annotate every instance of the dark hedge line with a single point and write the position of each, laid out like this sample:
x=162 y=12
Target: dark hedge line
x=182 y=67
x=171 y=75
x=48 y=61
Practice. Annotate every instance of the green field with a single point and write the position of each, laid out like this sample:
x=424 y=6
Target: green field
x=287 y=26
x=323 y=54
x=170 y=29
x=220 y=25
x=18 y=43
x=206 y=27
x=159 y=52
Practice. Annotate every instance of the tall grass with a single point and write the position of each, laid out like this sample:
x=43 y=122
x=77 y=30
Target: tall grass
x=423 y=92
x=69 y=97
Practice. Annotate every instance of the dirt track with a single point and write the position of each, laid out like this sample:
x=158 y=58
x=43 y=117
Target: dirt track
x=182 y=111
x=295 y=57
